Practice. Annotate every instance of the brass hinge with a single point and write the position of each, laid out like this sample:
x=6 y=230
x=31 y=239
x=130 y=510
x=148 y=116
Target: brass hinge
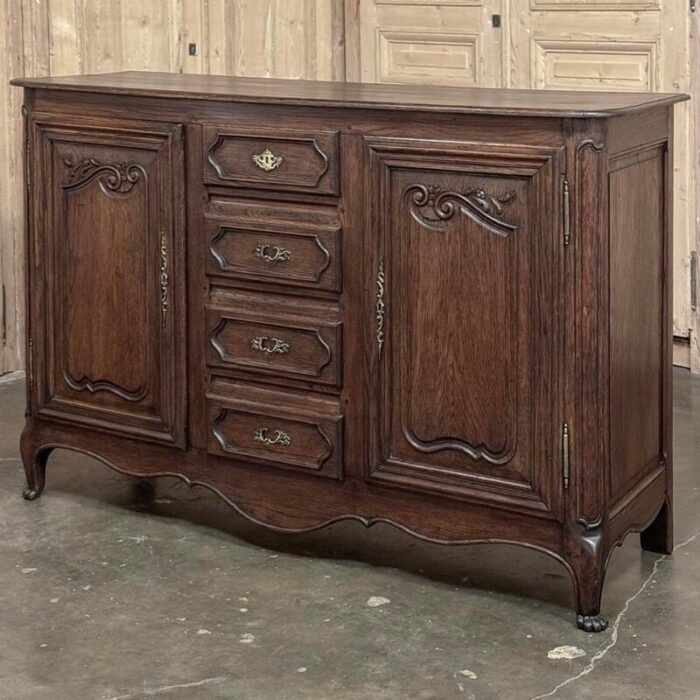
x=566 y=207
x=565 y=454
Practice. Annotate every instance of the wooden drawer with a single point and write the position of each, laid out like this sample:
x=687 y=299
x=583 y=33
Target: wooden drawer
x=278 y=346
x=304 y=441
x=261 y=248
x=272 y=159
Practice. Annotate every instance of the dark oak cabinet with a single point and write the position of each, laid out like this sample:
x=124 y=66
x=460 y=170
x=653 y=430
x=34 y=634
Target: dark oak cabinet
x=443 y=309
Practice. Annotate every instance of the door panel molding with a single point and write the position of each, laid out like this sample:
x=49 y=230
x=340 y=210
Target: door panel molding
x=593 y=5
x=416 y=55
x=115 y=197
x=485 y=455
x=595 y=64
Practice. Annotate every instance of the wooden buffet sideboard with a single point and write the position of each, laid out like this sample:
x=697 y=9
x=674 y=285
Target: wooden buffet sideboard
x=445 y=309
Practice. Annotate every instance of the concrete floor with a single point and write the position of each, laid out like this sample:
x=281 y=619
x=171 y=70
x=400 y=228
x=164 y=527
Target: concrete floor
x=107 y=596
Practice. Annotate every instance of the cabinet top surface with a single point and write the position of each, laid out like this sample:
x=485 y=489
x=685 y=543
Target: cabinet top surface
x=548 y=103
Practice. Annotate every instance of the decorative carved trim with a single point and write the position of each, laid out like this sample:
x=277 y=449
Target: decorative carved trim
x=114 y=179
x=476 y=452
x=327 y=349
x=93 y=386
x=35 y=444
x=432 y=207
x=589 y=143
x=590 y=492
x=589 y=524
x=635 y=526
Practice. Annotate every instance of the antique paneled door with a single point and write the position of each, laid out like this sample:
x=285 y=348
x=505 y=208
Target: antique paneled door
x=634 y=45
x=467 y=315
x=452 y=42
x=106 y=260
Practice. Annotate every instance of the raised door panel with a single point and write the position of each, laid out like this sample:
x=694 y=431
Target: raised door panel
x=636 y=187
x=564 y=64
x=107 y=270
x=466 y=342
x=425 y=42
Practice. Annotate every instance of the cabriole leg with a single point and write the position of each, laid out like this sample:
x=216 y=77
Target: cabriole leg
x=588 y=567
x=34 y=460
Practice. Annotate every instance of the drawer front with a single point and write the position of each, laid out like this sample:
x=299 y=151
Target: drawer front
x=297 y=258
x=277 y=347
x=295 y=161
x=308 y=443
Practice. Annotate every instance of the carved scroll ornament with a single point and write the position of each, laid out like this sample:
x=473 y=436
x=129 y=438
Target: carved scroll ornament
x=433 y=207
x=115 y=179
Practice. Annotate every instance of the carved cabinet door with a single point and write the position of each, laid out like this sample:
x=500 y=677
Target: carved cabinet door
x=106 y=257
x=465 y=369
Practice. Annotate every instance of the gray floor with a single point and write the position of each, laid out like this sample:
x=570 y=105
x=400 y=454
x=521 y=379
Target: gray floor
x=106 y=596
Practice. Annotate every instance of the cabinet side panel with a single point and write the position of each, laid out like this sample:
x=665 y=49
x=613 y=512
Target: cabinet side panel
x=637 y=203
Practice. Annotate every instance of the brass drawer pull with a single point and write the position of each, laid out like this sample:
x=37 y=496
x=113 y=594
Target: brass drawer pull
x=275 y=345
x=281 y=438
x=267 y=160
x=278 y=254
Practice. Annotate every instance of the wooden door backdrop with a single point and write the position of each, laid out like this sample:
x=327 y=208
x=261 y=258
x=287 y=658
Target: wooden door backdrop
x=586 y=44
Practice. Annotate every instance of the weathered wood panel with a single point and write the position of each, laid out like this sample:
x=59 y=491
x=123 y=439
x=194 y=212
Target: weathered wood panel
x=694 y=232
x=11 y=199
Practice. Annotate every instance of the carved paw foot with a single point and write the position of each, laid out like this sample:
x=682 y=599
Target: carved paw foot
x=30 y=494
x=591 y=623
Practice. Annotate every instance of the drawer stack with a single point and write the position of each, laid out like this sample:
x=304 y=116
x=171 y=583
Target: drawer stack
x=273 y=321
